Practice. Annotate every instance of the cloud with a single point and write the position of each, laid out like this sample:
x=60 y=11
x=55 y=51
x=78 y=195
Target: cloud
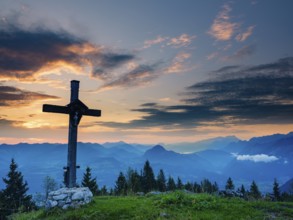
x=6 y=123
x=140 y=76
x=257 y=158
x=177 y=42
x=181 y=41
x=158 y=40
x=178 y=63
x=222 y=28
x=25 y=54
x=234 y=95
x=243 y=36
x=12 y=96
x=242 y=53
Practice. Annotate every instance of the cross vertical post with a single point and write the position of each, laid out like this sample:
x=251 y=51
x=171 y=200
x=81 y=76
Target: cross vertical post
x=75 y=109
x=72 y=139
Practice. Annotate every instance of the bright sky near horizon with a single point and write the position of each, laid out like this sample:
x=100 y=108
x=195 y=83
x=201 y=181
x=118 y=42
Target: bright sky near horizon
x=161 y=71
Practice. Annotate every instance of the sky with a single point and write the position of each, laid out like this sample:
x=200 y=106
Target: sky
x=161 y=71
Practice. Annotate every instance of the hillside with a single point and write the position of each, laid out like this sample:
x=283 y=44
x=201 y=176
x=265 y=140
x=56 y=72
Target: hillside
x=176 y=205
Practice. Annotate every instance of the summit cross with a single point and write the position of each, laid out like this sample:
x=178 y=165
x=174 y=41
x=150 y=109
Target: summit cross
x=75 y=109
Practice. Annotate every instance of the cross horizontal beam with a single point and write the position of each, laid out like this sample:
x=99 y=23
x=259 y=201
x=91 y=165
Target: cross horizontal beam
x=66 y=110
x=93 y=112
x=56 y=109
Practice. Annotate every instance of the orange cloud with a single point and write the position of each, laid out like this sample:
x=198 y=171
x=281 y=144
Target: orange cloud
x=182 y=41
x=222 y=28
x=158 y=40
x=178 y=63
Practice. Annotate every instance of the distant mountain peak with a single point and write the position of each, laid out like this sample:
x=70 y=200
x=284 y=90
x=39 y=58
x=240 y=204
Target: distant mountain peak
x=158 y=148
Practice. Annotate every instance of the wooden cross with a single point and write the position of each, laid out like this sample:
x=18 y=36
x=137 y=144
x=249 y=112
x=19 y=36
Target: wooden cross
x=75 y=109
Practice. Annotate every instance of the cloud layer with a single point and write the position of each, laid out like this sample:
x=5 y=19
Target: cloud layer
x=26 y=53
x=235 y=95
x=12 y=96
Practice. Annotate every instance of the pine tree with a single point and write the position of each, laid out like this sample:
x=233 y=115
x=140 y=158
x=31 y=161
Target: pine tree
x=242 y=190
x=148 y=178
x=229 y=184
x=206 y=186
x=254 y=191
x=276 y=190
x=179 y=184
x=133 y=181
x=14 y=195
x=104 y=191
x=90 y=182
x=188 y=186
x=215 y=187
x=196 y=187
x=171 y=186
x=161 y=181
x=121 y=185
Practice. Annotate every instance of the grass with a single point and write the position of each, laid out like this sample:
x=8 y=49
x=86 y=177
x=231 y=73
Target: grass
x=176 y=205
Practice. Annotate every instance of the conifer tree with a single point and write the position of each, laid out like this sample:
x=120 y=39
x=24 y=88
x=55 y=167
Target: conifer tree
x=171 y=186
x=188 y=186
x=161 y=181
x=254 y=191
x=133 y=181
x=121 y=185
x=14 y=195
x=242 y=190
x=229 y=184
x=215 y=187
x=90 y=182
x=148 y=178
x=206 y=186
x=276 y=190
x=104 y=191
x=196 y=187
x=179 y=184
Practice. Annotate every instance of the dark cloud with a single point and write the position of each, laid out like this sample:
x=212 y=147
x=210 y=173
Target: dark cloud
x=12 y=96
x=25 y=52
x=139 y=76
x=259 y=94
x=5 y=122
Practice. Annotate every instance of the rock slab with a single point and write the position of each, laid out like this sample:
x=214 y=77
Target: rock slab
x=69 y=197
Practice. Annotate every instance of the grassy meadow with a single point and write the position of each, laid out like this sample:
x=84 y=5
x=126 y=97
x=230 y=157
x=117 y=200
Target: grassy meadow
x=176 y=205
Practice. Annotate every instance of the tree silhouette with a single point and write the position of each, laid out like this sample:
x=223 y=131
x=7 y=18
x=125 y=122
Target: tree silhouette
x=121 y=185
x=14 y=195
x=90 y=182
x=148 y=178
x=229 y=184
x=254 y=191
x=276 y=190
x=171 y=186
x=161 y=181
x=179 y=183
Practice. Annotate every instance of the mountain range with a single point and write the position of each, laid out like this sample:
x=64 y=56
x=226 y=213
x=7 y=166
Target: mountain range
x=261 y=159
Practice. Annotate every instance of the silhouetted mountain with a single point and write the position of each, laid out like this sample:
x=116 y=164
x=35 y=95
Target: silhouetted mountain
x=287 y=187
